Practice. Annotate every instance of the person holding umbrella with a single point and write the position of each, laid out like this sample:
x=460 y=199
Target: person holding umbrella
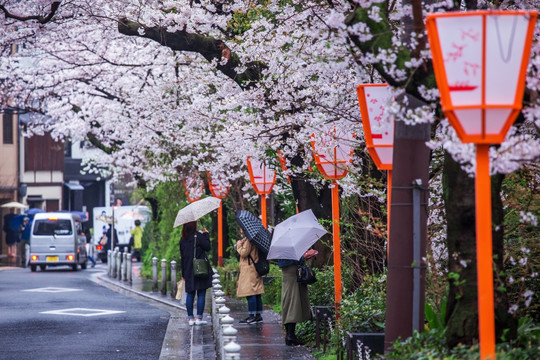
x=249 y=283
x=295 y=306
x=194 y=244
x=290 y=245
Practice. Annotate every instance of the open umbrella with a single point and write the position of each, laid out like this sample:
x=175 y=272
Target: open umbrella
x=33 y=211
x=253 y=229
x=294 y=236
x=132 y=215
x=14 y=204
x=196 y=210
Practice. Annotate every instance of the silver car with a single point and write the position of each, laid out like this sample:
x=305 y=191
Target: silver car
x=57 y=239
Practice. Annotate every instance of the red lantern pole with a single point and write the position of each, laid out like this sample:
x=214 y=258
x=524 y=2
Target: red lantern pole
x=337 y=246
x=220 y=234
x=333 y=166
x=379 y=135
x=221 y=193
x=262 y=178
x=263 y=210
x=484 y=253
x=492 y=99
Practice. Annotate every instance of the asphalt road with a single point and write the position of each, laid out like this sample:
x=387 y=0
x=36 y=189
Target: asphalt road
x=61 y=314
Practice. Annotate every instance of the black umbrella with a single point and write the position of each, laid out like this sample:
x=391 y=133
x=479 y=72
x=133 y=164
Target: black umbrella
x=254 y=229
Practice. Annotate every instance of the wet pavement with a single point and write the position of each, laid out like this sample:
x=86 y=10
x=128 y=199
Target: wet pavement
x=258 y=341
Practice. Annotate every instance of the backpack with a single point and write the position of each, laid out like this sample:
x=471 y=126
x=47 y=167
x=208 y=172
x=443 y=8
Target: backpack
x=263 y=265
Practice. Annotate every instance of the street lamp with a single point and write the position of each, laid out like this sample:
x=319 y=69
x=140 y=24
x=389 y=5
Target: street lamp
x=262 y=178
x=379 y=134
x=332 y=156
x=219 y=190
x=480 y=60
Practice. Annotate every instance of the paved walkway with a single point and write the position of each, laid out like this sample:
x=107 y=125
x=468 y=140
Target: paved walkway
x=258 y=341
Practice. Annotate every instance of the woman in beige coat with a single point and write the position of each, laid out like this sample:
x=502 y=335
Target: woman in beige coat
x=249 y=283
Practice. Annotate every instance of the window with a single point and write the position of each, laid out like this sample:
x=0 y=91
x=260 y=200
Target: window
x=7 y=127
x=53 y=227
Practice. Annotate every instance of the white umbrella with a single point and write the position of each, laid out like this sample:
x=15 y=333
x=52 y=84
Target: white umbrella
x=14 y=204
x=294 y=236
x=196 y=210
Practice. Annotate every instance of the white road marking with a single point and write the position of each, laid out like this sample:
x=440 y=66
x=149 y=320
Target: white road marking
x=52 y=290
x=82 y=312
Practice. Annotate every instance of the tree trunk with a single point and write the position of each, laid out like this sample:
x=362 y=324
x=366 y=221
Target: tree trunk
x=462 y=306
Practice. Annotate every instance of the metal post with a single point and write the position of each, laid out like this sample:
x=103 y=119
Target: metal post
x=118 y=264
x=125 y=267
x=173 y=279
x=114 y=258
x=163 y=276
x=154 y=274
x=416 y=317
x=129 y=269
x=109 y=267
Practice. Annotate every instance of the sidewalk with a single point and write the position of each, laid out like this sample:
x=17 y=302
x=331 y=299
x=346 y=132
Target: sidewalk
x=258 y=341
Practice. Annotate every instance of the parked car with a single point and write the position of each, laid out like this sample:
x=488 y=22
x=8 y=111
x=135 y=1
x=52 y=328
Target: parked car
x=57 y=238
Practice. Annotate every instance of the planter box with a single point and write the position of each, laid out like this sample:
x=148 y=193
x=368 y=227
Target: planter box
x=356 y=343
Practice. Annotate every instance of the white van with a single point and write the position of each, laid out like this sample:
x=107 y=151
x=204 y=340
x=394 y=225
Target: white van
x=57 y=238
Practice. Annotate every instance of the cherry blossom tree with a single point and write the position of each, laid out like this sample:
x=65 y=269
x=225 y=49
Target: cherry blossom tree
x=165 y=88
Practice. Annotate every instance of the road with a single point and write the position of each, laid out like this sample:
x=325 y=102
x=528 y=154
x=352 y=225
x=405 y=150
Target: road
x=62 y=314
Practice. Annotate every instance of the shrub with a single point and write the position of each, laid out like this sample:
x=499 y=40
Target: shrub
x=432 y=345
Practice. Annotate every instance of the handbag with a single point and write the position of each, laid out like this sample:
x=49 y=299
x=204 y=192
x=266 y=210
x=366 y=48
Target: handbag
x=305 y=275
x=103 y=240
x=201 y=267
x=179 y=289
x=262 y=266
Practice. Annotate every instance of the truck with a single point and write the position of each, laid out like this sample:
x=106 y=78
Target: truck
x=124 y=221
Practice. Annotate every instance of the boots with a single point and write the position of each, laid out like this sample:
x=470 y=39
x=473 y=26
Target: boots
x=290 y=337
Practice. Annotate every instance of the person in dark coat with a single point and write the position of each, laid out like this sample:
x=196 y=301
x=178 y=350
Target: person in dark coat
x=109 y=234
x=12 y=238
x=295 y=305
x=194 y=285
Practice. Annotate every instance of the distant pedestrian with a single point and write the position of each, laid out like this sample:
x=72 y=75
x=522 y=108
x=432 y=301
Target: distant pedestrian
x=194 y=244
x=112 y=238
x=24 y=245
x=295 y=305
x=12 y=238
x=249 y=283
x=137 y=234
x=88 y=245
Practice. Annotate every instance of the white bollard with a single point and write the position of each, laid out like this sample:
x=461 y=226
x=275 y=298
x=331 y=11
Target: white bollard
x=229 y=334
x=232 y=351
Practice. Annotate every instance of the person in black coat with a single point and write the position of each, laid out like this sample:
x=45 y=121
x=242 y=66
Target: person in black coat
x=194 y=285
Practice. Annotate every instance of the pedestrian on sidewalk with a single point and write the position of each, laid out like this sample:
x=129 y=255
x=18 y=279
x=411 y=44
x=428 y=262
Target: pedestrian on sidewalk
x=249 y=283
x=295 y=306
x=192 y=244
x=137 y=234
